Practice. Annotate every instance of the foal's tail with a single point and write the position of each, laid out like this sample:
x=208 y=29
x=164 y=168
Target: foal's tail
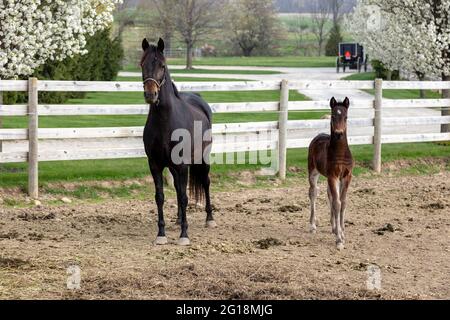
x=197 y=176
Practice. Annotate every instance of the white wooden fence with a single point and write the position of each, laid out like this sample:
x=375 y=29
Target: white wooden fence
x=35 y=144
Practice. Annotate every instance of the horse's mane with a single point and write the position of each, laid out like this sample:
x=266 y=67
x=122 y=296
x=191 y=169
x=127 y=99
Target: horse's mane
x=175 y=90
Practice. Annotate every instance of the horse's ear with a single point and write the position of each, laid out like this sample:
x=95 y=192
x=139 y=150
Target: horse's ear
x=161 y=45
x=333 y=103
x=145 y=44
x=346 y=103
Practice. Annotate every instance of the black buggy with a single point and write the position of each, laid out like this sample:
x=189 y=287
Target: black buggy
x=351 y=55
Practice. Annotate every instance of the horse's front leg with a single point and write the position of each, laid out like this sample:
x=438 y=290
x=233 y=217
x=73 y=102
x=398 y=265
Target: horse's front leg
x=333 y=184
x=345 y=183
x=181 y=175
x=313 y=191
x=157 y=174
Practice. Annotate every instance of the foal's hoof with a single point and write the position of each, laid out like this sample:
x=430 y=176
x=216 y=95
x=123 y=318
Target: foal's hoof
x=340 y=246
x=184 y=242
x=160 y=241
x=313 y=229
x=211 y=224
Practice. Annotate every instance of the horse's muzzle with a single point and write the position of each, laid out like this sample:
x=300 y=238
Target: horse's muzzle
x=151 y=98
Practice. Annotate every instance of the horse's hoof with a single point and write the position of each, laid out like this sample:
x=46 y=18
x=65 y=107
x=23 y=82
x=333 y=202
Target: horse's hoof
x=160 y=241
x=184 y=242
x=340 y=246
x=211 y=224
x=313 y=229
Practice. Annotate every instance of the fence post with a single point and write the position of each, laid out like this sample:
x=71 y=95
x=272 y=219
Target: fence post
x=378 y=103
x=33 y=178
x=282 y=129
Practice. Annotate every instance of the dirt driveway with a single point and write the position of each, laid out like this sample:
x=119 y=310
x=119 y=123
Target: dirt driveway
x=262 y=248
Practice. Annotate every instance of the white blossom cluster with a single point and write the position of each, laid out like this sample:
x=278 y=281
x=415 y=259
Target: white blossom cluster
x=408 y=35
x=35 y=31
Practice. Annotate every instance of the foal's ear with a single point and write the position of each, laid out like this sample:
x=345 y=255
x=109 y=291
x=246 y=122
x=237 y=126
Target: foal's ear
x=346 y=103
x=161 y=45
x=333 y=103
x=145 y=44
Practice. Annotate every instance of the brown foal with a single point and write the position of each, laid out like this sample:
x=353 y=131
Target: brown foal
x=331 y=157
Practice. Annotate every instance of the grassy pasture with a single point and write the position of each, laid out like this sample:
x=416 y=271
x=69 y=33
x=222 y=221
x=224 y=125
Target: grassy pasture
x=394 y=94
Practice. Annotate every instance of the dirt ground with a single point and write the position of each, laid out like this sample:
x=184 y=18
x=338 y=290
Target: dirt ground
x=261 y=250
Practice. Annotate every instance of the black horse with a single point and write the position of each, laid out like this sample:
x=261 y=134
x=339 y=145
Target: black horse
x=175 y=124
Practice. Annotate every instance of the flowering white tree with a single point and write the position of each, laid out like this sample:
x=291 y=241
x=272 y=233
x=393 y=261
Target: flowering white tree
x=35 y=31
x=408 y=35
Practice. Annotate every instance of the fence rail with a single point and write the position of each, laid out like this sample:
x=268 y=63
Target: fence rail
x=35 y=144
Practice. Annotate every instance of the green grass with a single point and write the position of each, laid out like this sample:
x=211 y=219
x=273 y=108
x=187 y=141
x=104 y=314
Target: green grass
x=394 y=94
x=133 y=68
x=364 y=76
x=15 y=175
x=284 y=61
x=99 y=98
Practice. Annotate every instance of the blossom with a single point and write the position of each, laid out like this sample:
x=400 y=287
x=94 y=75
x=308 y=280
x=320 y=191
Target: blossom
x=35 y=31
x=413 y=35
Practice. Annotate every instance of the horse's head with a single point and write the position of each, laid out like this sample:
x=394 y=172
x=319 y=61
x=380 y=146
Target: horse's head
x=153 y=64
x=339 y=112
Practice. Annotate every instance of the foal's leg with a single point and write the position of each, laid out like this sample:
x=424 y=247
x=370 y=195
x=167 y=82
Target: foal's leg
x=330 y=205
x=206 y=182
x=345 y=183
x=157 y=174
x=181 y=180
x=333 y=184
x=313 y=191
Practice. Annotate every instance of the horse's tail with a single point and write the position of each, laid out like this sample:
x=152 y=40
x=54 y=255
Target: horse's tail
x=196 y=182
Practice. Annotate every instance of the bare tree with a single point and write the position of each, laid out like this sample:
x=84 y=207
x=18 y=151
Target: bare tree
x=165 y=23
x=192 y=19
x=252 y=24
x=320 y=18
x=336 y=7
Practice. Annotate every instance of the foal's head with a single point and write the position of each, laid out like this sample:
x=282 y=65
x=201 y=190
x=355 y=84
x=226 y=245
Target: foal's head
x=339 y=112
x=153 y=64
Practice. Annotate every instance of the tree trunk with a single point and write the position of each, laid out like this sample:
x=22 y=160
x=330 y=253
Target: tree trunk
x=445 y=111
x=168 y=41
x=189 y=56
x=247 y=52
x=421 y=77
x=389 y=75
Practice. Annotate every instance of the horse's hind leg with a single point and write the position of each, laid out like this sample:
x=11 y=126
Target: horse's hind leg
x=180 y=175
x=313 y=191
x=157 y=174
x=206 y=182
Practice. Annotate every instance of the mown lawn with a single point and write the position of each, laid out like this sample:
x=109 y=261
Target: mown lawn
x=284 y=61
x=133 y=68
x=100 y=98
x=13 y=175
x=394 y=94
x=122 y=169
